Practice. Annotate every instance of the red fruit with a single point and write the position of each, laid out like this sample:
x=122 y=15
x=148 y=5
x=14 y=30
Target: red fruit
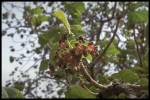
x=79 y=50
x=91 y=48
x=63 y=44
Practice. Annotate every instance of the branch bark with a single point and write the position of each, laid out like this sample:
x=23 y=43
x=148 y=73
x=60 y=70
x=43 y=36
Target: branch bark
x=89 y=78
x=99 y=57
x=130 y=90
x=99 y=31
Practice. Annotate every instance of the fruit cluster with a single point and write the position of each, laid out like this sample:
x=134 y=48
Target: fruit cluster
x=66 y=56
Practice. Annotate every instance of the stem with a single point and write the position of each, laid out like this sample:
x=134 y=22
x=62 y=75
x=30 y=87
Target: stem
x=69 y=44
x=89 y=78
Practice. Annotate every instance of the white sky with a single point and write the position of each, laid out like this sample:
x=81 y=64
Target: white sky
x=8 y=67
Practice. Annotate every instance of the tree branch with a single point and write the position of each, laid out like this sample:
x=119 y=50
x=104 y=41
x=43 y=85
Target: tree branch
x=137 y=49
x=89 y=78
x=99 y=57
x=99 y=31
x=130 y=90
x=113 y=13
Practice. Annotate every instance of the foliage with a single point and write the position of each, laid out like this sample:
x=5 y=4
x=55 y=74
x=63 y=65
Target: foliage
x=44 y=65
x=9 y=92
x=73 y=92
x=61 y=16
x=122 y=75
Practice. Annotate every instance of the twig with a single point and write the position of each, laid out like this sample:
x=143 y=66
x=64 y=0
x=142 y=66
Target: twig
x=29 y=59
x=99 y=57
x=89 y=78
x=32 y=66
x=113 y=13
x=103 y=21
x=137 y=48
x=99 y=31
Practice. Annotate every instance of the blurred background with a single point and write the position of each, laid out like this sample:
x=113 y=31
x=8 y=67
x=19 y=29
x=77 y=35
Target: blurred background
x=22 y=51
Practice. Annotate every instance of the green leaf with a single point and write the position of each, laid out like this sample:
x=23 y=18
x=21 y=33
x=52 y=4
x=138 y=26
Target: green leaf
x=137 y=17
x=112 y=50
x=61 y=16
x=138 y=70
x=36 y=10
x=80 y=8
x=134 y=6
x=43 y=39
x=19 y=85
x=4 y=93
x=126 y=76
x=146 y=63
x=53 y=52
x=75 y=21
x=94 y=89
x=77 y=29
x=37 y=50
x=75 y=91
x=143 y=82
x=76 y=8
x=43 y=18
x=35 y=21
x=44 y=65
x=88 y=57
x=130 y=44
x=72 y=41
x=13 y=92
x=51 y=36
x=60 y=73
x=103 y=79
